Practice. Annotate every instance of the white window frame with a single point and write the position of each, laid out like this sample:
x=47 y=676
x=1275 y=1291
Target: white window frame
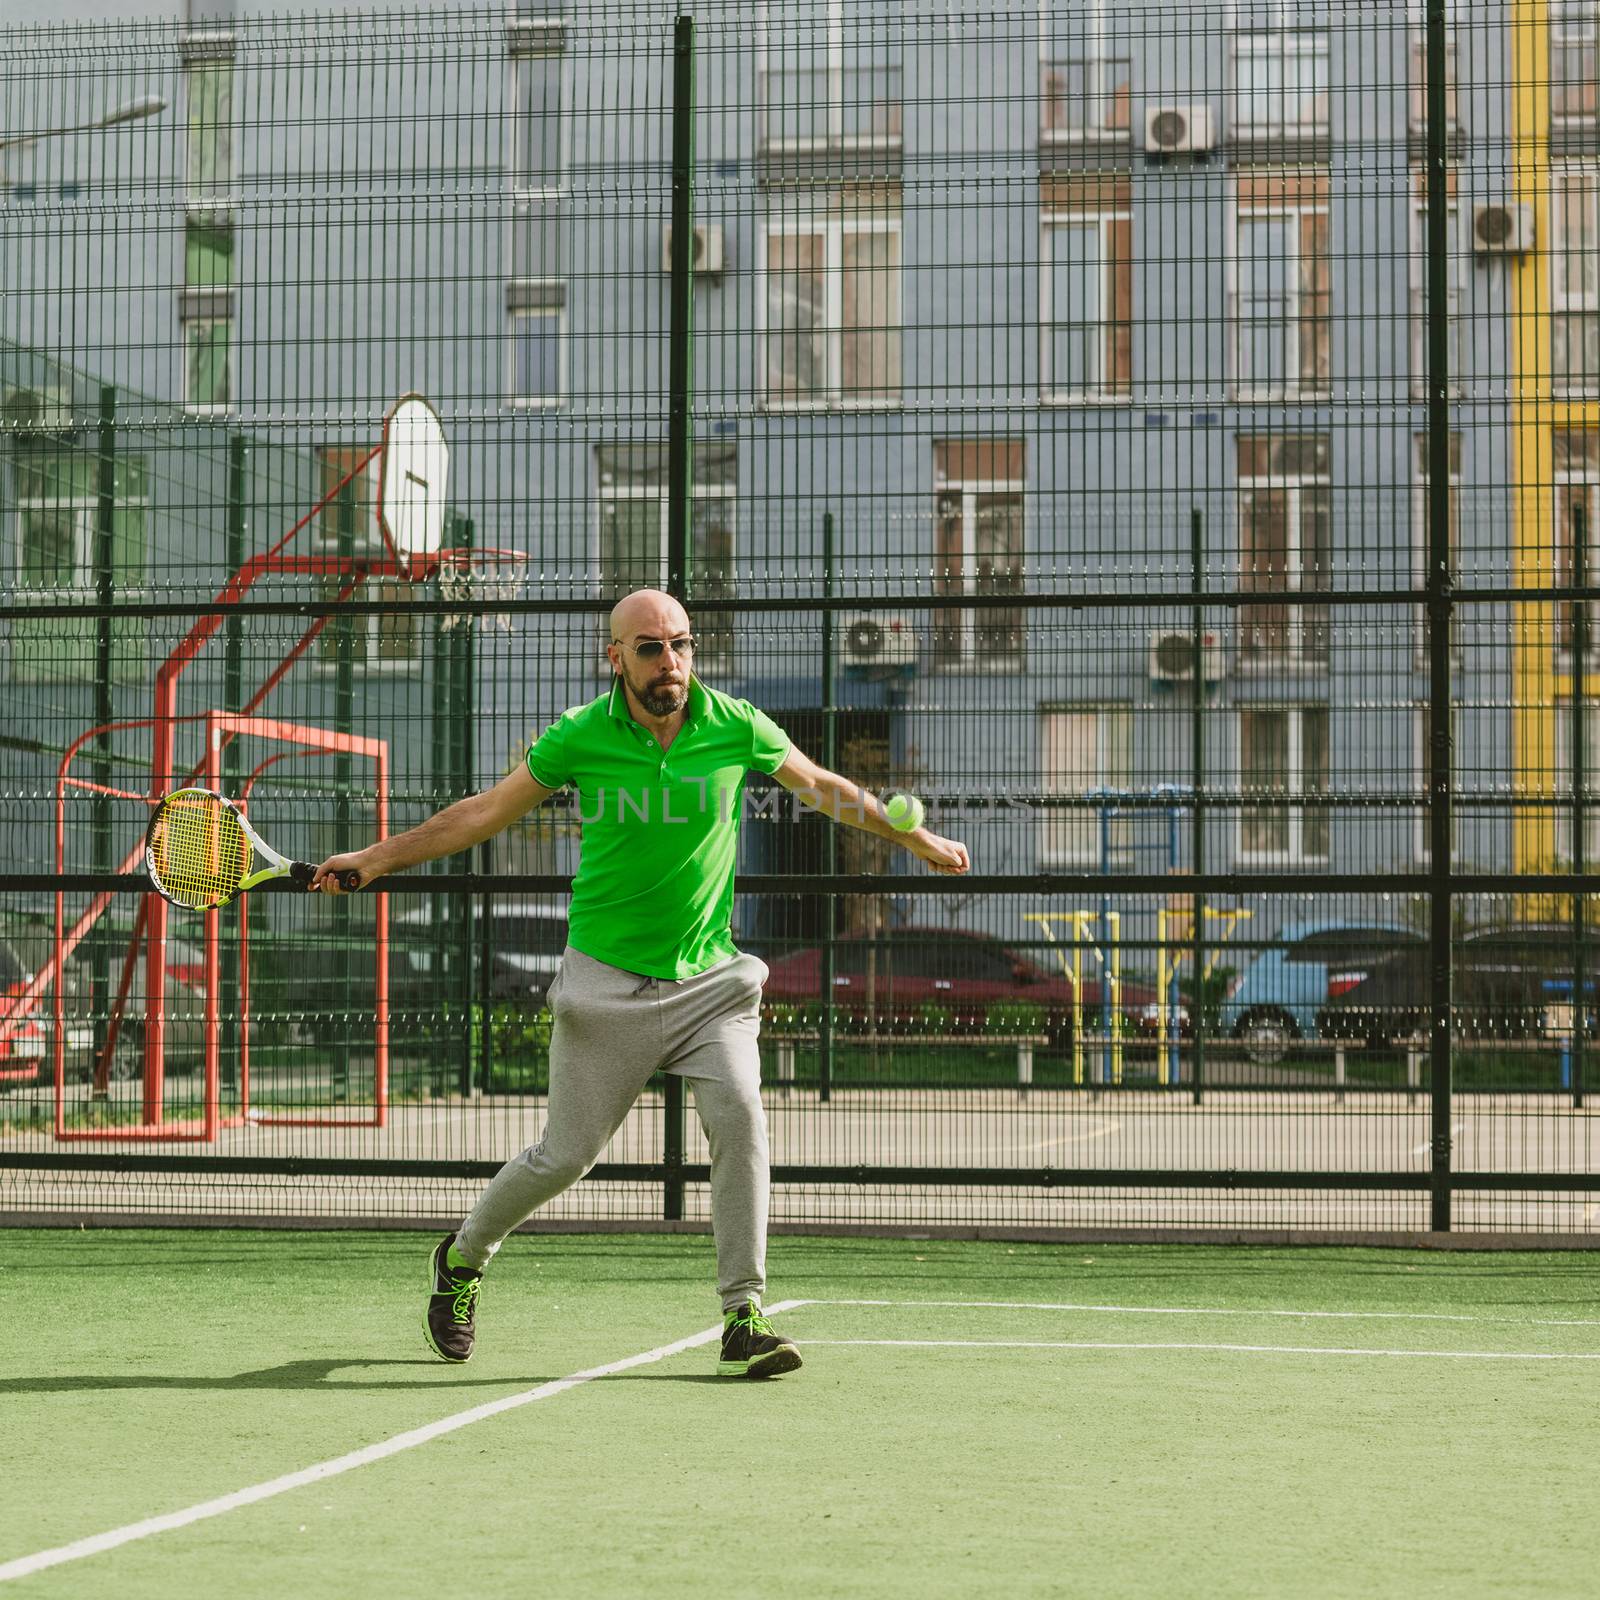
x=607 y=492
x=1562 y=780
x=1419 y=288
x=1563 y=300
x=966 y=659
x=833 y=230
x=520 y=191
x=202 y=51
x=1417 y=67
x=1296 y=854
x=1580 y=477
x=1283 y=43
x=196 y=408
x=1099 y=83
x=1293 y=656
x=368 y=663
x=1292 y=388
x=1572 y=22
x=523 y=402
x=82 y=508
x=833 y=50
x=1114 y=722
x=1050 y=223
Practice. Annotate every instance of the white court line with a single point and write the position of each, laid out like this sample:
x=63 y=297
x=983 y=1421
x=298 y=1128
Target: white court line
x=23 y=1566
x=1112 y=1126
x=1237 y=1349
x=1198 y=1311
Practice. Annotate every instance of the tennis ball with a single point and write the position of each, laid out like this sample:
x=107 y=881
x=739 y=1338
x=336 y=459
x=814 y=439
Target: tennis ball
x=904 y=812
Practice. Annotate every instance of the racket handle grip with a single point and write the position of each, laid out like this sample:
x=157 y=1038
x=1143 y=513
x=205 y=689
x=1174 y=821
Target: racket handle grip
x=302 y=872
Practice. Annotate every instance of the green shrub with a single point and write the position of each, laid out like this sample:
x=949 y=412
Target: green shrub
x=1015 y=1016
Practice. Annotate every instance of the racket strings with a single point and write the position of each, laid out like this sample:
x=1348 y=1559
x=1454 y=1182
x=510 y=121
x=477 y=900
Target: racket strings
x=199 y=855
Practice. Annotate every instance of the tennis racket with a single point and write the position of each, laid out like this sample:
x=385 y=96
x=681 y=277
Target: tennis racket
x=201 y=853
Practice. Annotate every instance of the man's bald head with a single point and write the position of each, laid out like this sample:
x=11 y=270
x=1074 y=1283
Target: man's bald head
x=661 y=686
x=648 y=613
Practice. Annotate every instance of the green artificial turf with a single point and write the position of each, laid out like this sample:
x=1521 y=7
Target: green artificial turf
x=143 y=1372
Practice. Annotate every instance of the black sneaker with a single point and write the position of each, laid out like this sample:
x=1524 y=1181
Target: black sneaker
x=452 y=1300
x=752 y=1347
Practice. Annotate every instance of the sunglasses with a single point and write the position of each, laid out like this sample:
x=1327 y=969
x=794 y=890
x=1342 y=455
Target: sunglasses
x=651 y=649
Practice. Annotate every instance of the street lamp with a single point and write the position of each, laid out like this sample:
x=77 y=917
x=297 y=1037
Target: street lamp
x=146 y=105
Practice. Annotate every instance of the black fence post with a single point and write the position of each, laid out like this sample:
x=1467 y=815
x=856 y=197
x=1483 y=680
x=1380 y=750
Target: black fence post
x=830 y=843
x=680 y=458
x=462 y=761
x=1439 y=579
x=1580 y=785
x=232 y=699
x=104 y=704
x=1197 y=818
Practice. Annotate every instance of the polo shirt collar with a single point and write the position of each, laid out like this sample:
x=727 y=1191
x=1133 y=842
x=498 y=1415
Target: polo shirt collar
x=617 y=703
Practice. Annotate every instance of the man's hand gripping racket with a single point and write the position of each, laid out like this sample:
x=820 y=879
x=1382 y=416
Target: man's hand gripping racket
x=201 y=853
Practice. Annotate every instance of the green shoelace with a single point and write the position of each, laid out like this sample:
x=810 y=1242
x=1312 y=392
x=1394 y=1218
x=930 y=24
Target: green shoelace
x=750 y=1319
x=466 y=1293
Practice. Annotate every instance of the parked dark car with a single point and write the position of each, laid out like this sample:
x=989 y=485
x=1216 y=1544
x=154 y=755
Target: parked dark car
x=895 y=974
x=1505 y=983
x=524 y=942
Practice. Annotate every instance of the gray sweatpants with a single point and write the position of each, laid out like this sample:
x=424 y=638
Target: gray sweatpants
x=611 y=1030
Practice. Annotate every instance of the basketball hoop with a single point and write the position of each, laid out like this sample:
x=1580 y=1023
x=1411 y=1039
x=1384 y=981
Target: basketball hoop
x=488 y=574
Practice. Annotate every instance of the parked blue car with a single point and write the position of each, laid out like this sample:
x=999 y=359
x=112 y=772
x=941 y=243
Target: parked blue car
x=1274 y=1002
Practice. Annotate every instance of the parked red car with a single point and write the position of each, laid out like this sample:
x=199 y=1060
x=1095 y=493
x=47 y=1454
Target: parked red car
x=963 y=971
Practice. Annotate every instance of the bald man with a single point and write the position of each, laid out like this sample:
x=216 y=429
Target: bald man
x=650 y=979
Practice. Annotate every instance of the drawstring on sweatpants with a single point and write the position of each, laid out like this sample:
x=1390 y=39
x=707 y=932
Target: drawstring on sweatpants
x=642 y=984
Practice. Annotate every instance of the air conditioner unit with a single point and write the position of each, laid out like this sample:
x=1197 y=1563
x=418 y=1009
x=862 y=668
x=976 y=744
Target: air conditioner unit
x=1172 y=657
x=1178 y=130
x=1502 y=230
x=707 y=248
x=42 y=410
x=880 y=639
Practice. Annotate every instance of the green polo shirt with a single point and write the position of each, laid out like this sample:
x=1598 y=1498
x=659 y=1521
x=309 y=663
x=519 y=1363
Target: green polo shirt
x=654 y=888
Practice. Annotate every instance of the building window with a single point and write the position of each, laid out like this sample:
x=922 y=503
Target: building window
x=1087 y=288
x=1573 y=67
x=1282 y=286
x=1575 y=286
x=840 y=93
x=1419 y=519
x=205 y=308
x=1577 y=473
x=57 y=506
x=1280 y=81
x=833 y=303
x=1082 y=749
x=1562 y=712
x=633 y=536
x=386 y=641
x=1418 y=81
x=1085 y=87
x=1285 y=544
x=537 y=58
x=1419 y=287
x=537 y=328
x=978 y=528
x=209 y=79
x=1283 y=760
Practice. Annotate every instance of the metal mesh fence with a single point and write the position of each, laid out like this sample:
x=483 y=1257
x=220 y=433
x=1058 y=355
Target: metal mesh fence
x=1045 y=414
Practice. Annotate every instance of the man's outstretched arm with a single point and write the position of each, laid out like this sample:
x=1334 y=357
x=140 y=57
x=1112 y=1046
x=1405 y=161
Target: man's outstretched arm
x=849 y=803
x=446 y=833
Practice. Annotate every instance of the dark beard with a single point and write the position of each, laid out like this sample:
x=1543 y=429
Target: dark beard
x=662 y=701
